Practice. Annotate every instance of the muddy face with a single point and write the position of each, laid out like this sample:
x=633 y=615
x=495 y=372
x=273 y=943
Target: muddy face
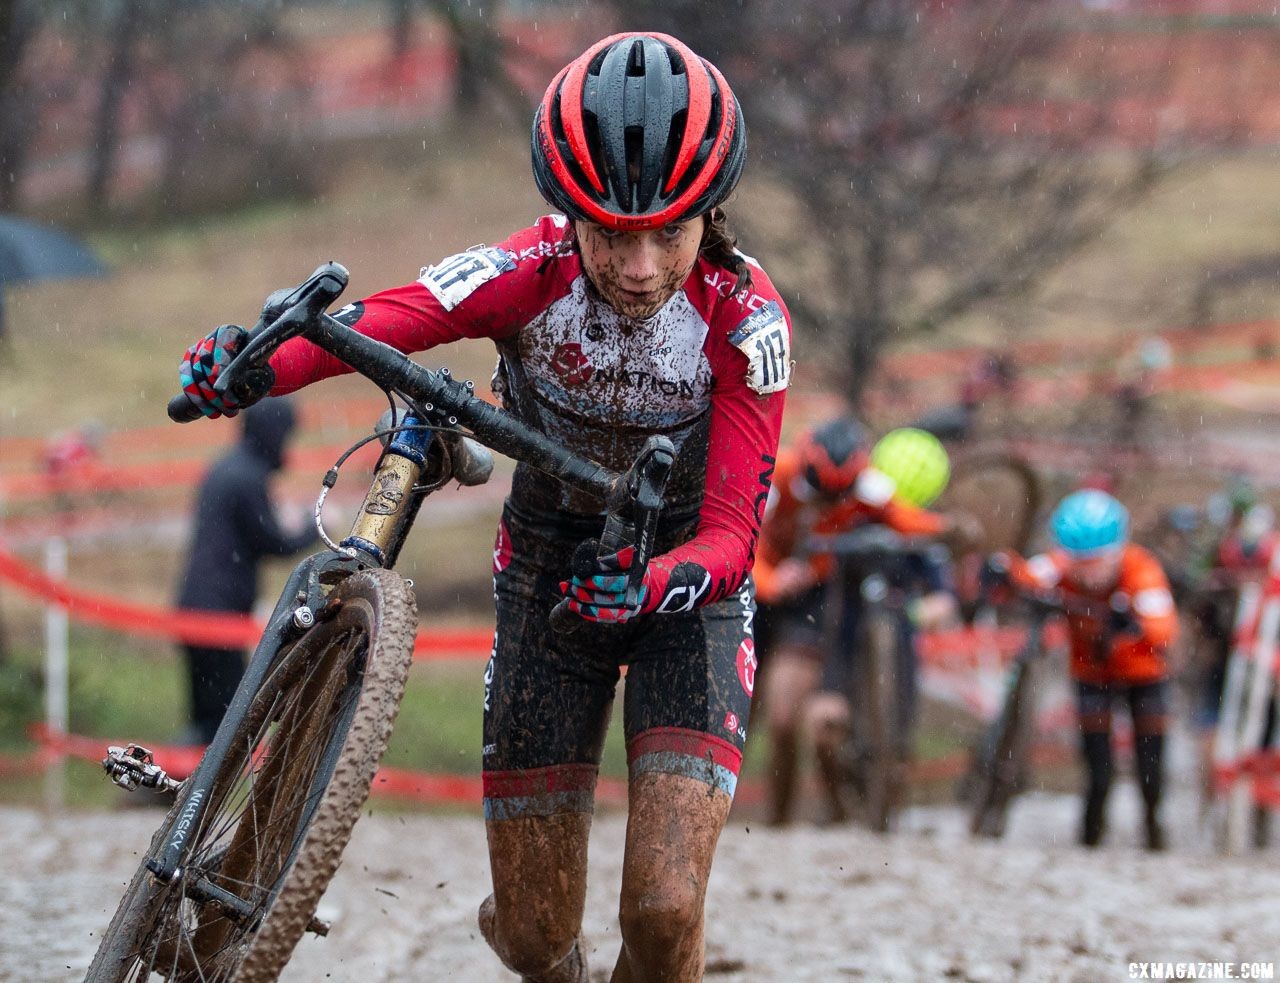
x=637 y=272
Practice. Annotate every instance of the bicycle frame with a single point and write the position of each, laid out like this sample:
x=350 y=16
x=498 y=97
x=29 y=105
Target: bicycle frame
x=1031 y=650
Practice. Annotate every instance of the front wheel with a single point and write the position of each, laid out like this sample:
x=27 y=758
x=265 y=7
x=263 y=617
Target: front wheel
x=278 y=814
x=1002 y=759
x=880 y=741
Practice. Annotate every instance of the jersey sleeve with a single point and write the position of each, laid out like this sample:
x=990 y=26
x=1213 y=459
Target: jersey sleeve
x=1150 y=598
x=777 y=529
x=747 y=400
x=911 y=520
x=483 y=292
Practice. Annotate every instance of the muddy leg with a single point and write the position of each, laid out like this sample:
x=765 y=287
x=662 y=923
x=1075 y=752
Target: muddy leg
x=792 y=677
x=829 y=717
x=672 y=830
x=534 y=916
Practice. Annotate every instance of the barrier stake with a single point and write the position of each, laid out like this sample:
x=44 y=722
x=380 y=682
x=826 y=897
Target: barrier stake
x=1226 y=746
x=55 y=670
x=1252 y=725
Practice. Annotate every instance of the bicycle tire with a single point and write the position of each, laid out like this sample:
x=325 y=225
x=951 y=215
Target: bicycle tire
x=332 y=697
x=884 y=767
x=1001 y=760
x=1002 y=491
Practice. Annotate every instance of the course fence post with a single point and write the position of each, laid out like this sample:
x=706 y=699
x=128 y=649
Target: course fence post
x=56 y=698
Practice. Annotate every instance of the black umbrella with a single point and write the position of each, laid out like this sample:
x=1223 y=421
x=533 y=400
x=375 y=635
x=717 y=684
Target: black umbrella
x=31 y=252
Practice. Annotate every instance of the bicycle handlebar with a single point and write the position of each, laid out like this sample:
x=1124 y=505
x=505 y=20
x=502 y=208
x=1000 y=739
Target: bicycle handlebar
x=632 y=500
x=285 y=315
x=872 y=541
x=632 y=519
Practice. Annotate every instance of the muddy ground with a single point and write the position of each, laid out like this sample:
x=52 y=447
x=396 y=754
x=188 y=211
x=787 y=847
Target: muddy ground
x=800 y=904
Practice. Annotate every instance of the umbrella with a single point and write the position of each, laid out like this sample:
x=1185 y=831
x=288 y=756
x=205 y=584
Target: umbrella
x=31 y=252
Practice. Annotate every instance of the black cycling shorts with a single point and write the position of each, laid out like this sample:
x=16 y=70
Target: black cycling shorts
x=548 y=695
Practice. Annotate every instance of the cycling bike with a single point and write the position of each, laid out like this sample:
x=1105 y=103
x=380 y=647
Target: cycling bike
x=1000 y=765
x=878 y=659
x=234 y=874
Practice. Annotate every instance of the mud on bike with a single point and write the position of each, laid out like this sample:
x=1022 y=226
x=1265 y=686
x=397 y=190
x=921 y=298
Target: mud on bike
x=875 y=577
x=233 y=876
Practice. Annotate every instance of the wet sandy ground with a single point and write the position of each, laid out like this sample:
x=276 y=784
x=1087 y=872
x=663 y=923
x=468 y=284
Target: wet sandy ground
x=800 y=904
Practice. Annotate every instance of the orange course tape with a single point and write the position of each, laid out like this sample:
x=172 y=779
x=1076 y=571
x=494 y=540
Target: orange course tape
x=957 y=648
x=429 y=788
x=204 y=628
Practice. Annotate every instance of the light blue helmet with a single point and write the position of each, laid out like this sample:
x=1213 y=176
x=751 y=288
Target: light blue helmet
x=1089 y=522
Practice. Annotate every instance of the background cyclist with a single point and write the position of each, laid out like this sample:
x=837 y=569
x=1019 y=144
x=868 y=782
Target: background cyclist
x=629 y=314
x=824 y=483
x=1122 y=620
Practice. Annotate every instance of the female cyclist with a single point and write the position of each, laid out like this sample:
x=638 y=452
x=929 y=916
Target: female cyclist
x=629 y=314
x=1121 y=624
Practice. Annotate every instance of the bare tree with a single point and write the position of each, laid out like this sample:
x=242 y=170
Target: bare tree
x=19 y=106
x=126 y=28
x=928 y=158
x=482 y=55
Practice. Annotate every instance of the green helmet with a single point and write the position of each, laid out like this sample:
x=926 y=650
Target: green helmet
x=916 y=461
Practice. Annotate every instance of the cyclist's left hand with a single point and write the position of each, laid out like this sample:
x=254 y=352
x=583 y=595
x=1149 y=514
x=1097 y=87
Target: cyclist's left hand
x=1121 y=619
x=597 y=591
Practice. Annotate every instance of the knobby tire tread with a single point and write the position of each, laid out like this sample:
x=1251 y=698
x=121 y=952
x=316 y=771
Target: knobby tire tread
x=335 y=818
x=998 y=777
x=389 y=656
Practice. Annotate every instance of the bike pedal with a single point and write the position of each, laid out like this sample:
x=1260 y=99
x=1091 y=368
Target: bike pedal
x=134 y=766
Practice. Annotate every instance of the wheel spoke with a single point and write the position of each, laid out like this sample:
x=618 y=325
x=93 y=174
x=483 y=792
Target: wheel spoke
x=269 y=791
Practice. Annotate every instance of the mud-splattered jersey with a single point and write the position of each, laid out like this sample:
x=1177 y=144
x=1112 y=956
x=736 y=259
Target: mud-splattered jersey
x=709 y=370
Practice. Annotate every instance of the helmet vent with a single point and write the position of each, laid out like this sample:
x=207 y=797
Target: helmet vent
x=635 y=59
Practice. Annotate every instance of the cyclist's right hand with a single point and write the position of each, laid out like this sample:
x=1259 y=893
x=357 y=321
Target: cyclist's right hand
x=792 y=577
x=205 y=361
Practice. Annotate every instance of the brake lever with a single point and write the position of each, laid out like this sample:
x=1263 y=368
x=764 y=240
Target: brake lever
x=633 y=509
x=284 y=317
x=653 y=468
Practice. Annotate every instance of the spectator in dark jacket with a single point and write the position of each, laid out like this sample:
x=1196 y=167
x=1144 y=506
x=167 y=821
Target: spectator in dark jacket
x=235 y=527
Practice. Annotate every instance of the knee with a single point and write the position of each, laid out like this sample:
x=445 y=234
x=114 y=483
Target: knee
x=527 y=946
x=828 y=718
x=659 y=919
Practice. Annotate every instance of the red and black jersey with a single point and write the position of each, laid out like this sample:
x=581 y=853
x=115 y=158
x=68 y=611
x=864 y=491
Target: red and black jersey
x=709 y=370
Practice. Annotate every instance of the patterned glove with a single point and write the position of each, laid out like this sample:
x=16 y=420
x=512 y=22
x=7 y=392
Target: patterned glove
x=598 y=589
x=204 y=362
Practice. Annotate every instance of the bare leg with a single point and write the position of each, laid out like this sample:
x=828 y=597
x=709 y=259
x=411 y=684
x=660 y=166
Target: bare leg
x=672 y=830
x=828 y=715
x=793 y=675
x=533 y=917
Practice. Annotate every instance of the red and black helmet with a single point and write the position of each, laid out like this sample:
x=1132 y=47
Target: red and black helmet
x=637 y=133
x=833 y=455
